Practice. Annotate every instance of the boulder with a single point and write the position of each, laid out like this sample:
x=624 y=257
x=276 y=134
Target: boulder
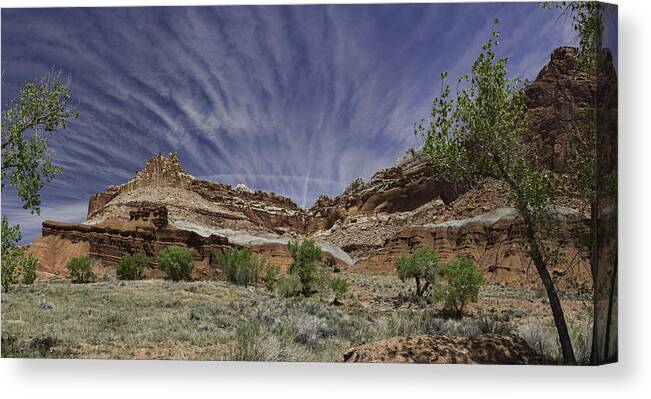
x=482 y=349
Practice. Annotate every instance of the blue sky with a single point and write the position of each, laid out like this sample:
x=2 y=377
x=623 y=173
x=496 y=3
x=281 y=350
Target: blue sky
x=297 y=100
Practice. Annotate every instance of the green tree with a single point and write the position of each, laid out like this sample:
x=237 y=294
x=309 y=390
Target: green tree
x=305 y=256
x=422 y=266
x=80 y=270
x=17 y=265
x=463 y=284
x=9 y=238
x=131 y=266
x=587 y=22
x=176 y=261
x=43 y=108
x=11 y=235
x=241 y=267
x=591 y=177
x=480 y=133
x=28 y=265
x=25 y=265
x=8 y=274
x=271 y=276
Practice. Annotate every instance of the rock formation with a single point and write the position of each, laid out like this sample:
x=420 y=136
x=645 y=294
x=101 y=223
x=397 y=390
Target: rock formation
x=164 y=181
x=561 y=90
x=482 y=349
x=495 y=241
x=164 y=205
x=364 y=228
x=406 y=186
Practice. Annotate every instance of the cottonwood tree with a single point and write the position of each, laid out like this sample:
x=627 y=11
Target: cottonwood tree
x=592 y=176
x=305 y=256
x=43 y=108
x=422 y=265
x=480 y=133
x=463 y=283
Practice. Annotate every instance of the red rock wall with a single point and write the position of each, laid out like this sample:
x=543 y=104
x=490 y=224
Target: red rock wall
x=110 y=244
x=498 y=249
x=397 y=189
x=561 y=90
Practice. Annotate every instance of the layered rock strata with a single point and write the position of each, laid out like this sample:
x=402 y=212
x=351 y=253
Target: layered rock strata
x=371 y=222
x=495 y=241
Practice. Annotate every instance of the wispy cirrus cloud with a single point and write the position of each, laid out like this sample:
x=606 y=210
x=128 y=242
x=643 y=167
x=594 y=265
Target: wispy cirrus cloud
x=298 y=100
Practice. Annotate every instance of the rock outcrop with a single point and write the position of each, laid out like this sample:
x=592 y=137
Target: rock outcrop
x=164 y=205
x=371 y=222
x=164 y=181
x=482 y=349
x=561 y=91
x=146 y=230
x=404 y=187
x=495 y=241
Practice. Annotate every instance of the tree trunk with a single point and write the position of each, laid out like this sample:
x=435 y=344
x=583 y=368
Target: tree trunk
x=459 y=310
x=554 y=301
x=594 y=352
x=424 y=289
x=611 y=299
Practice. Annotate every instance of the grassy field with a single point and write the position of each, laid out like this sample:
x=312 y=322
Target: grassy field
x=215 y=320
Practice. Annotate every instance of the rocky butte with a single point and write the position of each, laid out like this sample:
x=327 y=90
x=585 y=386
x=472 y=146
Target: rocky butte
x=363 y=230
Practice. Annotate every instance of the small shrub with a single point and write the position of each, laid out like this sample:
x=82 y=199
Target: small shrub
x=8 y=273
x=322 y=282
x=488 y=325
x=542 y=340
x=421 y=266
x=410 y=297
x=131 y=267
x=176 y=261
x=304 y=264
x=407 y=324
x=254 y=344
x=581 y=335
x=271 y=276
x=545 y=341
x=339 y=286
x=36 y=348
x=79 y=270
x=464 y=281
x=288 y=285
x=241 y=267
x=28 y=265
x=426 y=322
x=248 y=344
x=17 y=267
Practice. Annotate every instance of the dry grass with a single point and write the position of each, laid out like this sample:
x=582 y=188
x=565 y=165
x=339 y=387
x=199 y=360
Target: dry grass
x=215 y=320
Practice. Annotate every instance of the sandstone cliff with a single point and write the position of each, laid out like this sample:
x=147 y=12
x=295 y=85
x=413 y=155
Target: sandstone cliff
x=366 y=227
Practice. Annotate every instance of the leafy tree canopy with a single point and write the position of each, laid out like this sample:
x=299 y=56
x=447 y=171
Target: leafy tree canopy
x=421 y=265
x=463 y=284
x=305 y=256
x=43 y=108
x=481 y=132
